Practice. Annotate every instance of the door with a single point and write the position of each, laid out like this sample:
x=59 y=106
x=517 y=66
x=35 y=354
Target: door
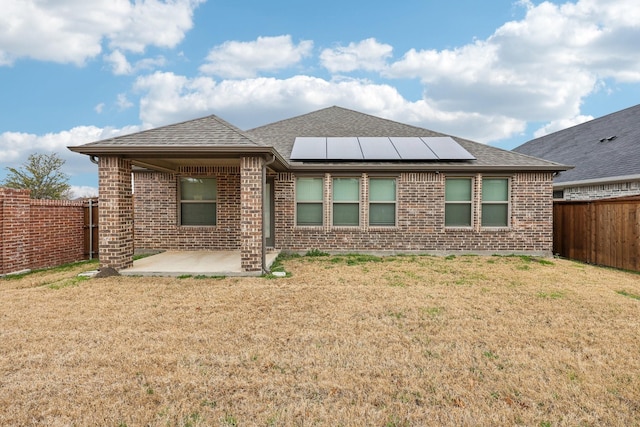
x=269 y=214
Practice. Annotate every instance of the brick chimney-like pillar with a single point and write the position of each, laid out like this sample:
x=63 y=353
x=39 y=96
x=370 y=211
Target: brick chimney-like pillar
x=116 y=213
x=251 y=193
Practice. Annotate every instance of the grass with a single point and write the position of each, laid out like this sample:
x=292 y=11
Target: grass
x=396 y=341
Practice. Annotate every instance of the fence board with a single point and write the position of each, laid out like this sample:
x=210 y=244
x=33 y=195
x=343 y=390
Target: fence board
x=604 y=232
x=91 y=221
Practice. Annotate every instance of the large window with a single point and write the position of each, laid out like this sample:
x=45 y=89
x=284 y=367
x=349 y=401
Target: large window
x=382 y=201
x=495 y=202
x=346 y=201
x=309 y=197
x=198 y=197
x=458 y=202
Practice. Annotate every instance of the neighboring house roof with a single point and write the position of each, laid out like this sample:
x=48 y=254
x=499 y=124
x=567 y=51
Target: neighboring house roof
x=603 y=149
x=211 y=137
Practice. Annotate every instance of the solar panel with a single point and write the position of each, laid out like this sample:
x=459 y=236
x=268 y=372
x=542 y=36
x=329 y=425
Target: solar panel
x=309 y=148
x=343 y=149
x=378 y=148
x=446 y=148
x=412 y=148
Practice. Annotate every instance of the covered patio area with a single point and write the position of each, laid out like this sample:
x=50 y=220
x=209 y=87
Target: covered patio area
x=195 y=263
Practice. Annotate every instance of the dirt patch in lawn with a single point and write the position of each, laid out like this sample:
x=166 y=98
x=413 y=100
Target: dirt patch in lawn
x=345 y=340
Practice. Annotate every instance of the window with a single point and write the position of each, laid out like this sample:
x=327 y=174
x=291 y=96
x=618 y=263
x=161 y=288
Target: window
x=346 y=201
x=198 y=201
x=309 y=201
x=457 y=207
x=382 y=202
x=495 y=202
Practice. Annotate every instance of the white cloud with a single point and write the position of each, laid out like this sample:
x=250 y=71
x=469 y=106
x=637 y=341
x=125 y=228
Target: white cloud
x=15 y=147
x=234 y=59
x=561 y=124
x=169 y=98
x=539 y=68
x=99 y=108
x=81 y=191
x=121 y=66
x=123 y=102
x=72 y=31
x=366 y=55
x=119 y=63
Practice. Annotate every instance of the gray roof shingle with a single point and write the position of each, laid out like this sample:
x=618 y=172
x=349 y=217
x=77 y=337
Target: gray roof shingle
x=342 y=122
x=205 y=131
x=212 y=136
x=587 y=148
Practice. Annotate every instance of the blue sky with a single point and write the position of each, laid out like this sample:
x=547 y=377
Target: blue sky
x=499 y=72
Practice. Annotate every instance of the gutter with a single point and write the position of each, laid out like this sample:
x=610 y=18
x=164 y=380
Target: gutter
x=265 y=270
x=596 y=181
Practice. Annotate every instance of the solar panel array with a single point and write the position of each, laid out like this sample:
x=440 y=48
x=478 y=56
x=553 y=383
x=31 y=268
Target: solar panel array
x=378 y=149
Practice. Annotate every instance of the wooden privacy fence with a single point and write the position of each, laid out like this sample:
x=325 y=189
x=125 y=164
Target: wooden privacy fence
x=603 y=232
x=91 y=248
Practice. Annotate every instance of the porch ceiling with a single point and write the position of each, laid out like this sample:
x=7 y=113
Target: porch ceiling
x=172 y=165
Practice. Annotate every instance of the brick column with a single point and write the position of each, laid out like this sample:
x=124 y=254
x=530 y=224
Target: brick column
x=116 y=213
x=15 y=221
x=251 y=192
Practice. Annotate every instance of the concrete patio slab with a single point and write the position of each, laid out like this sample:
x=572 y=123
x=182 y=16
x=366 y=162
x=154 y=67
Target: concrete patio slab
x=205 y=263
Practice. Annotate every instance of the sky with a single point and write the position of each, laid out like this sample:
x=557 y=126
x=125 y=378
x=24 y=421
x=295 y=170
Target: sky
x=499 y=72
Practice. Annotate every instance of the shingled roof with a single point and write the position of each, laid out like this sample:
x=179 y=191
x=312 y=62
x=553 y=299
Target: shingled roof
x=212 y=137
x=601 y=149
x=341 y=122
x=210 y=131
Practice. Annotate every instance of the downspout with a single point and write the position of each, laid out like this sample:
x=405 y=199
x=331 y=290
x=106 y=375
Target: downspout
x=265 y=270
x=95 y=161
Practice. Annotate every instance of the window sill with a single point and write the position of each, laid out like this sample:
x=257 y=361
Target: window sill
x=384 y=228
x=308 y=227
x=495 y=229
x=459 y=228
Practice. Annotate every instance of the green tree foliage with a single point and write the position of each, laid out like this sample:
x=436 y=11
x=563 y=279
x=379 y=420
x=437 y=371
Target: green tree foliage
x=42 y=174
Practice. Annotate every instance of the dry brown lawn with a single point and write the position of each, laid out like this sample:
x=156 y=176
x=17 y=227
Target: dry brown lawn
x=402 y=341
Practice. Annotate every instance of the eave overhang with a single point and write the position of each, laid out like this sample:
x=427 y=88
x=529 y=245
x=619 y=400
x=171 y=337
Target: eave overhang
x=147 y=153
x=425 y=167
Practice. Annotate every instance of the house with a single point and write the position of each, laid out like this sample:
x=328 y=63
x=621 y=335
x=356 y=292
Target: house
x=334 y=180
x=605 y=152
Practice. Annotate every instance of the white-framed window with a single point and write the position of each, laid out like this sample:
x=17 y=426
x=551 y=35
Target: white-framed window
x=458 y=205
x=495 y=202
x=198 y=201
x=382 y=202
x=309 y=201
x=346 y=201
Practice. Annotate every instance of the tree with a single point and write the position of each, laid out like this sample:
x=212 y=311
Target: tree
x=42 y=174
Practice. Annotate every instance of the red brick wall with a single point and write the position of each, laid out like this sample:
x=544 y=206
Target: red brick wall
x=38 y=233
x=251 y=180
x=420 y=217
x=156 y=211
x=116 y=213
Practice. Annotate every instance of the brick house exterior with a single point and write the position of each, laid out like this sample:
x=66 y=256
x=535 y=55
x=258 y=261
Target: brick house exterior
x=241 y=166
x=605 y=153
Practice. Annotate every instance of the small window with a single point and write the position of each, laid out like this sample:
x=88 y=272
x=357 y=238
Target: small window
x=558 y=194
x=198 y=201
x=346 y=201
x=382 y=202
x=495 y=202
x=309 y=201
x=457 y=208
